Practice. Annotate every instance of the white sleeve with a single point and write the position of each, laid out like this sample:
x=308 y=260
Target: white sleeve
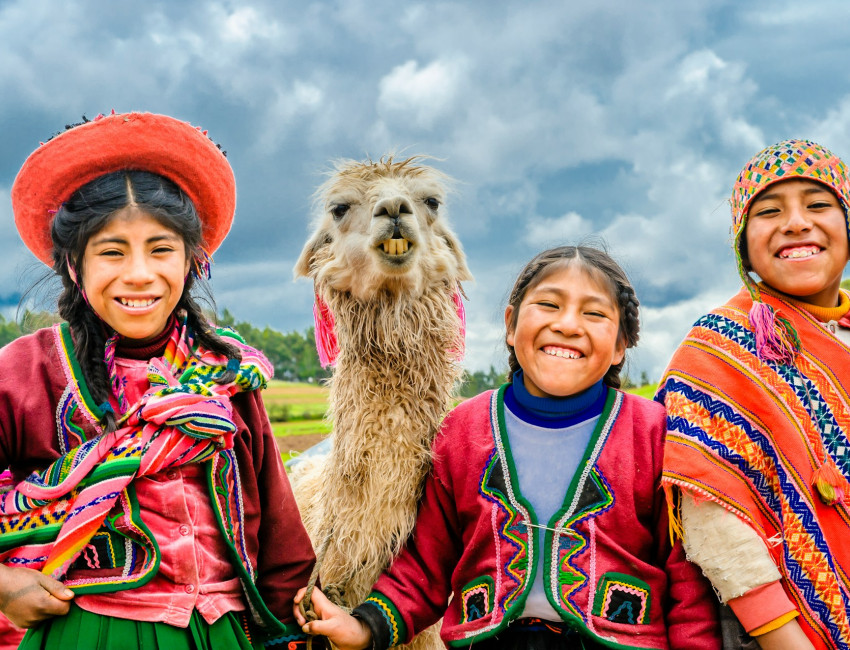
x=730 y=553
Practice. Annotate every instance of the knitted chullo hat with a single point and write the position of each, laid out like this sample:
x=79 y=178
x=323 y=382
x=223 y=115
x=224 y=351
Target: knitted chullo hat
x=776 y=339
x=148 y=142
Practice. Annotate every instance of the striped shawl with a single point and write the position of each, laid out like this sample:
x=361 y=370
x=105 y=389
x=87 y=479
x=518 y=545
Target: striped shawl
x=185 y=417
x=752 y=436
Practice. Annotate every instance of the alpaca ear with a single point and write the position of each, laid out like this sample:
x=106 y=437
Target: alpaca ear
x=463 y=273
x=303 y=267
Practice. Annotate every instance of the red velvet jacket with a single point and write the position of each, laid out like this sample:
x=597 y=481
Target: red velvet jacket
x=611 y=571
x=44 y=409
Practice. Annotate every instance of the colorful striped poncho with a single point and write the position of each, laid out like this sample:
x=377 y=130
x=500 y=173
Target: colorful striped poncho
x=185 y=417
x=754 y=437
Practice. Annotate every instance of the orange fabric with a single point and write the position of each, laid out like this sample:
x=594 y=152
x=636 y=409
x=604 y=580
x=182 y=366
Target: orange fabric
x=140 y=141
x=751 y=436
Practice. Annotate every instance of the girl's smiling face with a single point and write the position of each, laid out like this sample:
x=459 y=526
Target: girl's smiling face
x=796 y=236
x=567 y=332
x=134 y=269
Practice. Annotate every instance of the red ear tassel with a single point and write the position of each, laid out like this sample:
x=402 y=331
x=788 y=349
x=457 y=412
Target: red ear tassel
x=458 y=351
x=326 y=343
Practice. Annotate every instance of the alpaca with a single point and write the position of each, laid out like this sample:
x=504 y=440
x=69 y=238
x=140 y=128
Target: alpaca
x=387 y=268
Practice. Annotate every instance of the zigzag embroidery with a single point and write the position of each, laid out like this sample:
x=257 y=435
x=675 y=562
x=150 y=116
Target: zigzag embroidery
x=516 y=565
x=571 y=543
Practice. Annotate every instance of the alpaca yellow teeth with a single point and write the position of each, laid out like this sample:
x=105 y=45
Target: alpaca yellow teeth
x=395 y=246
x=137 y=303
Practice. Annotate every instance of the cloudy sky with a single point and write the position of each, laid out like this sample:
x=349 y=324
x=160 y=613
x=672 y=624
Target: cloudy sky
x=562 y=121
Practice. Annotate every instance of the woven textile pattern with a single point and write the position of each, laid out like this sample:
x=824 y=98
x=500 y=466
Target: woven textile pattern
x=750 y=434
x=185 y=417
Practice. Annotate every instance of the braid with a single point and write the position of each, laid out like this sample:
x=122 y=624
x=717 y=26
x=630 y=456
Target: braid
x=89 y=343
x=628 y=305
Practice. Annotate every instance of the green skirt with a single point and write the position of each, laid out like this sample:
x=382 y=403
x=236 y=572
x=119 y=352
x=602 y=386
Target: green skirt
x=82 y=630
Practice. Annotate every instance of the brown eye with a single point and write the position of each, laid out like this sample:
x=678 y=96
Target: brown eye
x=432 y=203
x=340 y=210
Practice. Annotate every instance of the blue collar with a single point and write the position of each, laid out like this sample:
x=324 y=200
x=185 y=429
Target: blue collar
x=554 y=412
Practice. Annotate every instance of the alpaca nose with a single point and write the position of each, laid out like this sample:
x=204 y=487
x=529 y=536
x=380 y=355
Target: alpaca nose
x=392 y=207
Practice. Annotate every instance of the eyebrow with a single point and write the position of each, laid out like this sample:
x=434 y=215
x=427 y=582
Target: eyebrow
x=814 y=189
x=122 y=240
x=554 y=288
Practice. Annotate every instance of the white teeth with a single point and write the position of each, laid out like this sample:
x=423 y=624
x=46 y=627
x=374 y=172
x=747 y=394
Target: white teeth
x=797 y=253
x=137 y=303
x=395 y=246
x=564 y=354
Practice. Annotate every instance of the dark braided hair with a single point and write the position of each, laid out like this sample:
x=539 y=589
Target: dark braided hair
x=601 y=266
x=85 y=213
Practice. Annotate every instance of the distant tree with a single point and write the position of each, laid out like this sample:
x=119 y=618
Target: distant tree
x=293 y=355
x=644 y=378
x=479 y=381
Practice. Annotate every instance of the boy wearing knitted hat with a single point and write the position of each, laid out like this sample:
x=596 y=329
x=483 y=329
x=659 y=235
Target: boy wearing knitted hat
x=758 y=403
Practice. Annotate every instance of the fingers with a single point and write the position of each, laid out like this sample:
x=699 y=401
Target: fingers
x=56 y=588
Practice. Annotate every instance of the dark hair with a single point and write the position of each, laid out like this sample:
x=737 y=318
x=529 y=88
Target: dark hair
x=86 y=212
x=602 y=266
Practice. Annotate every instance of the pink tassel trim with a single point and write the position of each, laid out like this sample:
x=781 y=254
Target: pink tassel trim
x=326 y=343
x=776 y=339
x=459 y=351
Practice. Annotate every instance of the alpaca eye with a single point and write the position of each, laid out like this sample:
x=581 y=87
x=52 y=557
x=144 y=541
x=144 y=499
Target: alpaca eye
x=340 y=210
x=432 y=203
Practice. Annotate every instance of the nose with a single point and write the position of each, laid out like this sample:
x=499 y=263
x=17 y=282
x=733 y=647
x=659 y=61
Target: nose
x=797 y=219
x=568 y=322
x=392 y=207
x=137 y=270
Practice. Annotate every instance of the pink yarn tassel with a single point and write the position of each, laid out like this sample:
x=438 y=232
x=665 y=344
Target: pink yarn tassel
x=326 y=344
x=773 y=340
x=459 y=351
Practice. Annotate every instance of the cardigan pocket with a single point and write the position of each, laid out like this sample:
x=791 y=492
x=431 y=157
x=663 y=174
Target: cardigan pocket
x=621 y=598
x=476 y=599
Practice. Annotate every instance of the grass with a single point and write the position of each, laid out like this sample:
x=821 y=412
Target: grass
x=300 y=428
x=647 y=391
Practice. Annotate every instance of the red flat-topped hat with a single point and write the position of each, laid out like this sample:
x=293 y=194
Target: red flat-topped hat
x=123 y=141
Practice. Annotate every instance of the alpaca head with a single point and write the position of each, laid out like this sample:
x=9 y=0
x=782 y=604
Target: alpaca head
x=381 y=227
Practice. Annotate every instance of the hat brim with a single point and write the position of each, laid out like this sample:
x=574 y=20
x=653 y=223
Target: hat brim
x=130 y=141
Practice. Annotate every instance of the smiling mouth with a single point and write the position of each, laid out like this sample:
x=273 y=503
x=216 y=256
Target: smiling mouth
x=563 y=353
x=798 y=252
x=137 y=303
x=396 y=247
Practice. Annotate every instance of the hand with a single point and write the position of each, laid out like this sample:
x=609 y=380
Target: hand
x=345 y=631
x=28 y=597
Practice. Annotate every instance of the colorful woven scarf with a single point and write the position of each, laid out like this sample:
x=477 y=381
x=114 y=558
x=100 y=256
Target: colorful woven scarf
x=758 y=437
x=185 y=417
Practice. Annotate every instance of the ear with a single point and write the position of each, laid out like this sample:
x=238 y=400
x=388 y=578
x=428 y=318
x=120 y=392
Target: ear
x=509 y=329
x=305 y=260
x=463 y=273
x=71 y=272
x=619 y=351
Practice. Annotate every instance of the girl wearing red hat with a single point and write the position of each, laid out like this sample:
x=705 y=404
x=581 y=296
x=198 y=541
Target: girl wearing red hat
x=150 y=507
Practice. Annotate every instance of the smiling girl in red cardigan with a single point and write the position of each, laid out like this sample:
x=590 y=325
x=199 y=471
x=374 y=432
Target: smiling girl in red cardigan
x=543 y=524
